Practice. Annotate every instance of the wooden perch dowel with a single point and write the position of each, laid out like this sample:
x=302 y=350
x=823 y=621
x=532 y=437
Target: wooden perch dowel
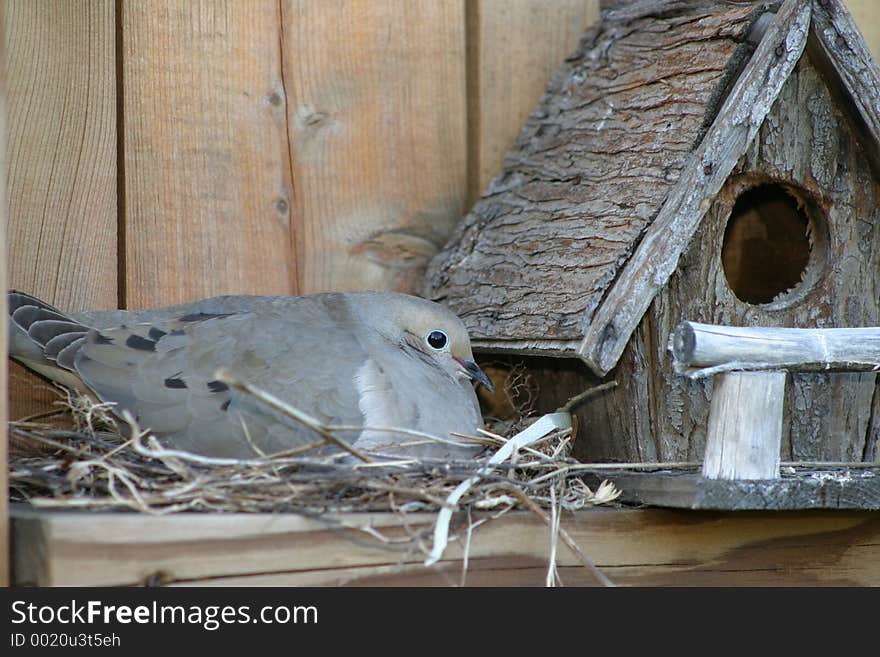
x=745 y=419
x=703 y=349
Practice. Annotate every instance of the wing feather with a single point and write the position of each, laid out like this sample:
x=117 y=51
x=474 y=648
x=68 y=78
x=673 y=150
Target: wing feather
x=164 y=370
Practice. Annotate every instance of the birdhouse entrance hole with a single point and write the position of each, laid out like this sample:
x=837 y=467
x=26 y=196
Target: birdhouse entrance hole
x=768 y=243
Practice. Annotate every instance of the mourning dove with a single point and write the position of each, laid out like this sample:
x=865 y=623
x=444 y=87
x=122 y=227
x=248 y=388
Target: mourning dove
x=365 y=359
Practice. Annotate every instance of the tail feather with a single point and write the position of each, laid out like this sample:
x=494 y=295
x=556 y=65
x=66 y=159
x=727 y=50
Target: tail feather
x=16 y=299
x=65 y=357
x=26 y=316
x=44 y=339
x=60 y=342
x=47 y=331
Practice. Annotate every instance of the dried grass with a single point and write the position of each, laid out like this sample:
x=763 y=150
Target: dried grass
x=100 y=465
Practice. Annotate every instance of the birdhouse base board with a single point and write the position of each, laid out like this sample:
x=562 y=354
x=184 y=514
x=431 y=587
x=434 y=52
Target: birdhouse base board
x=806 y=488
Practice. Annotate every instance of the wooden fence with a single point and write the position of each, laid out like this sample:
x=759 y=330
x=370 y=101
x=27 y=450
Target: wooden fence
x=163 y=151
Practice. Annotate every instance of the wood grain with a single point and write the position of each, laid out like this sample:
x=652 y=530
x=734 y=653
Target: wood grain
x=839 y=49
x=513 y=49
x=5 y=523
x=61 y=161
x=207 y=193
x=797 y=489
x=736 y=125
x=587 y=174
x=376 y=113
x=864 y=13
x=632 y=547
x=718 y=348
x=744 y=433
x=827 y=415
x=854 y=75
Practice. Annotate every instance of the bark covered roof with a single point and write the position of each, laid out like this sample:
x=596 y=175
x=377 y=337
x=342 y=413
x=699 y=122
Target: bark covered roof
x=591 y=168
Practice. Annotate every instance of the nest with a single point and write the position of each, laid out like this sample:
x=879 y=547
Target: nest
x=104 y=464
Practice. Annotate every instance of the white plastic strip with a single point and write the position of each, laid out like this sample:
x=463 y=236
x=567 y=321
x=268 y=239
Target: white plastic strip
x=542 y=427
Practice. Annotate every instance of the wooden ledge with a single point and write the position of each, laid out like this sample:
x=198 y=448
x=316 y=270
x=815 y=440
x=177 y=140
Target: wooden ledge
x=805 y=488
x=630 y=546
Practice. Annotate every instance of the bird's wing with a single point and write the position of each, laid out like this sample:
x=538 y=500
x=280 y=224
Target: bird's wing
x=164 y=373
x=43 y=338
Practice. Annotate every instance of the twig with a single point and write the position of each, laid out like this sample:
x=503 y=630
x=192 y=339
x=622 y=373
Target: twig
x=57 y=445
x=564 y=535
x=661 y=465
x=156 y=451
x=403 y=432
x=271 y=400
x=829 y=464
x=40 y=416
x=577 y=400
x=684 y=465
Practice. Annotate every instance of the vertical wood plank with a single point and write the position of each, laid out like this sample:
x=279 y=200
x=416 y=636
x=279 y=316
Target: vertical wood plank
x=745 y=426
x=206 y=162
x=864 y=13
x=61 y=160
x=377 y=130
x=514 y=48
x=5 y=522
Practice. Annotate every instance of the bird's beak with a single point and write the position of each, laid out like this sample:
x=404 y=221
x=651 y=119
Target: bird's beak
x=474 y=373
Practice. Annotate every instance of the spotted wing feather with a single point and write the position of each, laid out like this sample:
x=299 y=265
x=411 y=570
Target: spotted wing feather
x=164 y=372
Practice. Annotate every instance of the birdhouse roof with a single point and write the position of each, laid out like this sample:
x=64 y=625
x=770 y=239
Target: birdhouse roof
x=611 y=175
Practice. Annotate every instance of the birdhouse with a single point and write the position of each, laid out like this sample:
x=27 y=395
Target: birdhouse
x=705 y=160
x=708 y=161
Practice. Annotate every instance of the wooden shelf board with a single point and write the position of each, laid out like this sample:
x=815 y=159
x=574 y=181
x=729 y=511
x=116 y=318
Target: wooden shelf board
x=631 y=546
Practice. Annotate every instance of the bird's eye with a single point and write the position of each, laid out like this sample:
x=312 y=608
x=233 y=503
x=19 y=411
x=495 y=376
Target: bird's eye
x=437 y=339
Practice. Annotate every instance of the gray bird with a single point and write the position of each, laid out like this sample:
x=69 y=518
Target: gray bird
x=366 y=359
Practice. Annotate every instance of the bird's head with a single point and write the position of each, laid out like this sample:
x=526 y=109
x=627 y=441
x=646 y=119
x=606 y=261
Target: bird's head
x=433 y=332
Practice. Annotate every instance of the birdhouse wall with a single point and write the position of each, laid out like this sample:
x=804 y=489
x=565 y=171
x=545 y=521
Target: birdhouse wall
x=810 y=150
